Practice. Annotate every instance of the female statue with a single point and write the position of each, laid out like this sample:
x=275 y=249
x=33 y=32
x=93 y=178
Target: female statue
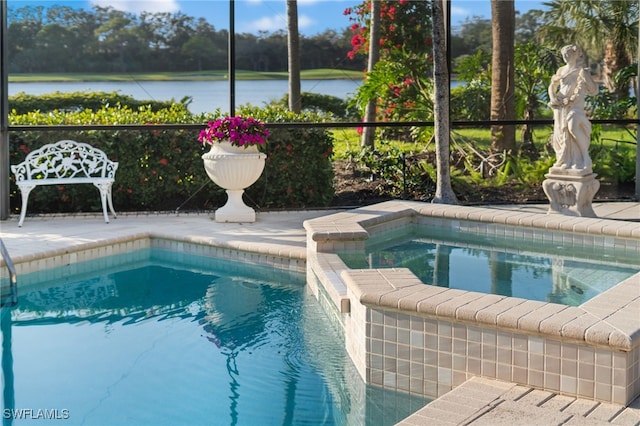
x=571 y=128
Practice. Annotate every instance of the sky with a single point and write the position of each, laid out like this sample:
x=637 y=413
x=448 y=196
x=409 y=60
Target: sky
x=254 y=16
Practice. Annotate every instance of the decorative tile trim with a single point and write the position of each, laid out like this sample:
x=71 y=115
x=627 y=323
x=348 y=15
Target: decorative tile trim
x=292 y=260
x=435 y=355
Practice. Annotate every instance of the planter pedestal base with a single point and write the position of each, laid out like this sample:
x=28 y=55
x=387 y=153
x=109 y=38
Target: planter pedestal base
x=235 y=210
x=570 y=192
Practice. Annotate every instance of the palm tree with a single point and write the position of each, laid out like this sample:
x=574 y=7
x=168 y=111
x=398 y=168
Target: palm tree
x=368 y=133
x=503 y=19
x=441 y=81
x=605 y=29
x=293 y=47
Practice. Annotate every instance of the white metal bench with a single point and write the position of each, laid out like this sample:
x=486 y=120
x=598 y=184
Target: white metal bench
x=63 y=163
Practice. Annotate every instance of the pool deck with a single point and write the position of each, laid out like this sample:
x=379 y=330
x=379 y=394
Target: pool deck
x=478 y=401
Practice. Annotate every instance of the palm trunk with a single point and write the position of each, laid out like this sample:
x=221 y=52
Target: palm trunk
x=503 y=15
x=293 y=46
x=368 y=133
x=444 y=192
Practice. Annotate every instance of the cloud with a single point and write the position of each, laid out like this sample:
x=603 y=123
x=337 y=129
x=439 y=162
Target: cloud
x=275 y=23
x=305 y=22
x=266 y=23
x=137 y=6
x=459 y=11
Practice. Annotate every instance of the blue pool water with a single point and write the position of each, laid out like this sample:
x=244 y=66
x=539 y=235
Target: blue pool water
x=563 y=273
x=146 y=340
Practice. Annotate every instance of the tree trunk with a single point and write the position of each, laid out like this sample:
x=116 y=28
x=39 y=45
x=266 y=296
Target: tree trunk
x=368 y=133
x=503 y=17
x=293 y=46
x=614 y=60
x=501 y=275
x=528 y=148
x=441 y=81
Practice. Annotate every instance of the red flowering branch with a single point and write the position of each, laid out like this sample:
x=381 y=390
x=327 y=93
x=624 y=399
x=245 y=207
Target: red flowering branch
x=405 y=41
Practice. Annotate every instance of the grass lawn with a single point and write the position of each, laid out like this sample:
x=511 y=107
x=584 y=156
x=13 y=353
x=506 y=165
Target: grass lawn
x=316 y=74
x=347 y=141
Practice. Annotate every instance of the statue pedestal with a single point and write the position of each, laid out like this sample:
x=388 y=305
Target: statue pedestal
x=570 y=192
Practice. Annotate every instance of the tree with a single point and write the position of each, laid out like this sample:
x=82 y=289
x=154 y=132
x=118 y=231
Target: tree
x=197 y=49
x=472 y=100
x=527 y=26
x=606 y=29
x=444 y=192
x=368 y=133
x=66 y=39
x=114 y=37
x=206 y=49
x=535 y=64
x=473 y=35
x=328 y=50
x=400 y=81
x=503 y=18
x=293 y=49
x=55 y=45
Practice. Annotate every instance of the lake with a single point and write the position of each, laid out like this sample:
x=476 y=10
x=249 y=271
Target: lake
x=207 y=95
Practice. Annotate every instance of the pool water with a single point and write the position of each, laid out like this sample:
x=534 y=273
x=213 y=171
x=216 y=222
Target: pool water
x=148 y=340
x=564 y=273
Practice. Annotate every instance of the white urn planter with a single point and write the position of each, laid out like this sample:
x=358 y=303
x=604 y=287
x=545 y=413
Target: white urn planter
x=234 y=168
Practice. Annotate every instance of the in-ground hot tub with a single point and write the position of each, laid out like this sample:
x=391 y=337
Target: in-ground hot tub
x=416 y=337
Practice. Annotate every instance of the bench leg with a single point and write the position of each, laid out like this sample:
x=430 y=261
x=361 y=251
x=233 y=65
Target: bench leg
x=105 y=190
x=110 y=201
x=25 y=190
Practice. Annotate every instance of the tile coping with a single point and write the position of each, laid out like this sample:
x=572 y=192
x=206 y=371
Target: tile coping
x=123 y=243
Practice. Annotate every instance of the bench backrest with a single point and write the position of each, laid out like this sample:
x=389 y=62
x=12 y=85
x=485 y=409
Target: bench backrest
x=65 y=160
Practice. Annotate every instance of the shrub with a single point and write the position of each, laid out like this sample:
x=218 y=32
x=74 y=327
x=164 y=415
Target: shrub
x=398 y=174
x=298 y=170
x=323 y=104
x=161 y=169
x=23 y=103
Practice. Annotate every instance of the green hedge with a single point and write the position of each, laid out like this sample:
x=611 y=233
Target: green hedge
x=337 y=108
x=23 y=103
x=298 y=171
x=161 y=170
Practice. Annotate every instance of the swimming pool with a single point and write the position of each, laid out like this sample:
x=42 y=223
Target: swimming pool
x=140 y=338
x=403 y=334
x=565 y=273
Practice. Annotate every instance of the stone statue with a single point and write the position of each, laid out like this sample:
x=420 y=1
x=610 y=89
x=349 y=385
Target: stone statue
x=571 y=129
x=570 y=184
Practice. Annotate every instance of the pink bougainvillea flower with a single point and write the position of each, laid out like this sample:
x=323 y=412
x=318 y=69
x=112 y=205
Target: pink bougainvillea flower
x=240 y=131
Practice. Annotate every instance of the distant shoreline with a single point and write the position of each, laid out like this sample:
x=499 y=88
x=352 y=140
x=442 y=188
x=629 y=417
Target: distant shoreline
x=220 y=75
